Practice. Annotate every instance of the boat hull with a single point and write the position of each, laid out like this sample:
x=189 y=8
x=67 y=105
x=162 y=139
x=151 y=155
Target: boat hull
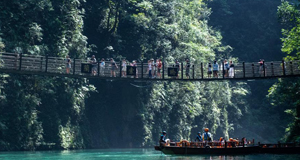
x=226 y=151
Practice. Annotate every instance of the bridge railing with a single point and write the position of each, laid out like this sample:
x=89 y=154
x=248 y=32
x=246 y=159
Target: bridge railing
x=9 y=61
x=57 y=65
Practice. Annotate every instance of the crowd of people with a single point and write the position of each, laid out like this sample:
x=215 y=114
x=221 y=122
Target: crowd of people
x=154 y=68
x=206 y=137
x=228 y=69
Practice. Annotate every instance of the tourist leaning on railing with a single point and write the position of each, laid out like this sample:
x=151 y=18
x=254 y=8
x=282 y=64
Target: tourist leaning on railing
x=102 y=67
x=231 y=70
x=113 y=68
x=187 y=68
x=94 y=63
x=226 y=68
x=153 y=69
x=68 y=64
x=149 y=69
x=215 y=69
x=209 y=72
x=159 y=67
x=124 y=68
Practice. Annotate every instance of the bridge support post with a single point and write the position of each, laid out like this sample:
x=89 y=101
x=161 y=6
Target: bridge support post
x=74 y=66
x=272 y=68
x=253 y=72
x=244 y=70
x=223 y=68
x=264 y=68
x=283 y=67
x=292 y=71
x=181 y=70
x=46 y=68
x=41 y=67
x=193 y=71
x=98 y=68
x=142 y=65
x=163 y=70
x=121 y=69
x=20 y=62
x=202 y=76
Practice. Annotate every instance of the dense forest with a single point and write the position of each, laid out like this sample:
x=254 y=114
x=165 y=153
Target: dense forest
x=39 y=112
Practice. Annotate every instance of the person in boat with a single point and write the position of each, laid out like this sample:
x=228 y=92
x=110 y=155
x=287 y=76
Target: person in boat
x=244 y=140
x=233 y=142
x=163 y=139
x=222 y=142
x=199 y=137
x=207 y=135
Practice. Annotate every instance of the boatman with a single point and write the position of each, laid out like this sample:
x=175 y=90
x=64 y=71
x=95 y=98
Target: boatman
x=163 y=138
x=206 y=135
x=199 y=137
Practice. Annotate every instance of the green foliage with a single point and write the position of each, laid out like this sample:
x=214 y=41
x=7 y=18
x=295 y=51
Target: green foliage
x=38 y=112
x=251 y=28
x=41 y=111
x=184 y=109
x=43 y=27
x=34 y=115
x=289 y=15
x=285 y=93
x=2 y=46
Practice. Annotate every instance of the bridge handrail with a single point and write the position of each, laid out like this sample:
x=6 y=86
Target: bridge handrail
x=196 y=71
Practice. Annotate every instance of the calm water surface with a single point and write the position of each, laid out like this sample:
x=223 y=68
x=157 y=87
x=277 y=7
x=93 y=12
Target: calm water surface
x=131 y=154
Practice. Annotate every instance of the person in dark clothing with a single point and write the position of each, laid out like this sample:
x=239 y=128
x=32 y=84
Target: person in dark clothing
x=94 y=63
x=199 y=137
x=207 y=135
x=163 y=137
x=187 y=69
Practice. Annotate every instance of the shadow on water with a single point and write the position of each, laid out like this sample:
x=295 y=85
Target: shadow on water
x=132 y=154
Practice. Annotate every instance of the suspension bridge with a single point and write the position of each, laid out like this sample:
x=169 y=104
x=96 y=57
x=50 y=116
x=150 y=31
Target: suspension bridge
x=83 y=68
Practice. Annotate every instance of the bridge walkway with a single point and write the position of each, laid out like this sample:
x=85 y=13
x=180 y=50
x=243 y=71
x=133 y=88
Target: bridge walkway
x=81 y=68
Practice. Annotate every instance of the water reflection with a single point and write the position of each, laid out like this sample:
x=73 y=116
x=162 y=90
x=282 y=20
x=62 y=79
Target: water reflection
x=204 y=157
x=133 y=154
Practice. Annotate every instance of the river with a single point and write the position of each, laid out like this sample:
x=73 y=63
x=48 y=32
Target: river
x=130 y=154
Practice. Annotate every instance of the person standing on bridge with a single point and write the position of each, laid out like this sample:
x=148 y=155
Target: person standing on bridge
x=149 y=68
x=231 y=70
x=68 y=64
x=187 y=68
x=102 y=67
x=124 y=68
x=93 y=61
x=134 y=64
x=153 y=68
x=225 y=68
x=113 y=66
x=159 y=67
x=215 y=69
x=209 y=72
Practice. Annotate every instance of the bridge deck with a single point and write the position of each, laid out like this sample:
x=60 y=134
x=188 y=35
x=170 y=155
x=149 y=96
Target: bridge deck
x=56 y=66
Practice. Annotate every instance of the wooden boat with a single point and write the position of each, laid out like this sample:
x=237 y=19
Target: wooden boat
x=227 y=148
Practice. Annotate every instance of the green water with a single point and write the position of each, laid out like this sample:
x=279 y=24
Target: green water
x=131 y=154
